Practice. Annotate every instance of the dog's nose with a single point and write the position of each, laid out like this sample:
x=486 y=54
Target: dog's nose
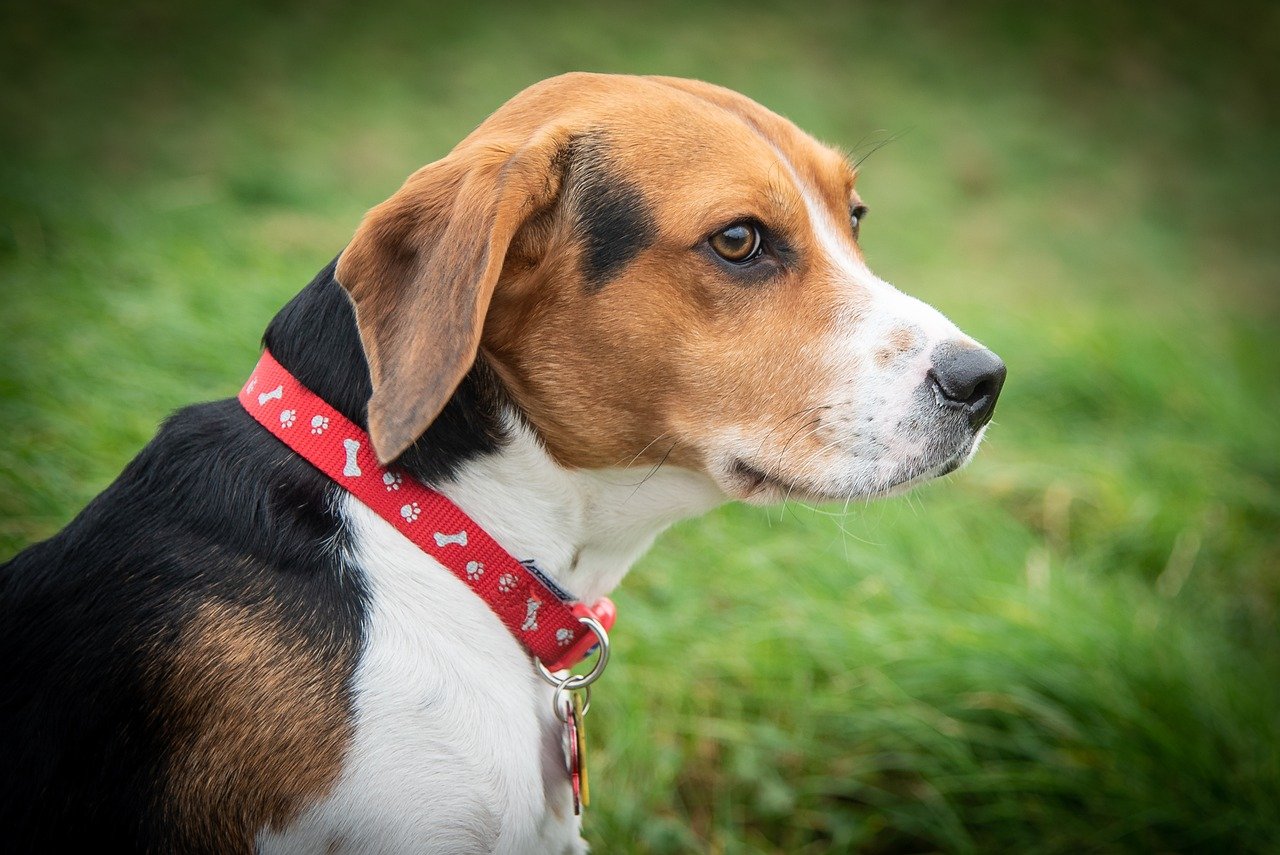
x=968 y=378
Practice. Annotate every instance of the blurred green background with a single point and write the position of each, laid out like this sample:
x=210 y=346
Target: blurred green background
x=1070 y=646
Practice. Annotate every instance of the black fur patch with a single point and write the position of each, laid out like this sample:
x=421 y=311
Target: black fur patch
x=612 y=217
x=315 y=337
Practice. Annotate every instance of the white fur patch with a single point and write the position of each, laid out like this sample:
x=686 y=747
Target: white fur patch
x=456 y=748
x=447 y=754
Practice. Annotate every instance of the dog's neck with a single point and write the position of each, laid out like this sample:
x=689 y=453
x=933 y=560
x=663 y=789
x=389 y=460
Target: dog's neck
x=583 y=527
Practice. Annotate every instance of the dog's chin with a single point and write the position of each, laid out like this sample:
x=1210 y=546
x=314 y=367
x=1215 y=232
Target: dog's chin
x=748 y=482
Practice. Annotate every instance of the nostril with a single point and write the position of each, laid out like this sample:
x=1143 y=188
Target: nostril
x=986 y=387
x=968 y=378
x=958 y=389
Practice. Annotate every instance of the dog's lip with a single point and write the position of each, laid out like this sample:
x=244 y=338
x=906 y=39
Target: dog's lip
x=755 y=477
x=751 y=481
x=757 y=480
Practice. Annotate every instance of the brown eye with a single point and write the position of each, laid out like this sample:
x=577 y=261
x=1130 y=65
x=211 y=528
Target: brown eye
x=855 y=218
x=738 y=243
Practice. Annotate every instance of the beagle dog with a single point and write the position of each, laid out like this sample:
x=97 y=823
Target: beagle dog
x=619 y=302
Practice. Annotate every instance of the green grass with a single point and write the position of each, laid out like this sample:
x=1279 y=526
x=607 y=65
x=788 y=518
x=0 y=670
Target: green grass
x=1071 y=646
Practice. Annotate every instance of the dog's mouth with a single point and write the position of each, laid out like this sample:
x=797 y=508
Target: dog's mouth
x=748 y=482
x=755 y=479
x=756 y=485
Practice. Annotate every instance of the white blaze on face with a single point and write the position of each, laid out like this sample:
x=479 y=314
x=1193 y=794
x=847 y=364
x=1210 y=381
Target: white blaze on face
x=881 y=428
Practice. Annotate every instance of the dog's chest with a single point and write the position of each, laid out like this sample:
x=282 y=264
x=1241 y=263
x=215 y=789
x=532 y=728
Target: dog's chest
x=455 y=747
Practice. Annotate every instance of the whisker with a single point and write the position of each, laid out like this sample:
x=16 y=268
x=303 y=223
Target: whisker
x=891 y=138
x=812 y=424
x=651 y=472
x=636 y=456
x=775 y=428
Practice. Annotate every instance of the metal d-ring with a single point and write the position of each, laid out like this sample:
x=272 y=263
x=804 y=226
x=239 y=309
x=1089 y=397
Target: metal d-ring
x=581 y=681
x=560 y=702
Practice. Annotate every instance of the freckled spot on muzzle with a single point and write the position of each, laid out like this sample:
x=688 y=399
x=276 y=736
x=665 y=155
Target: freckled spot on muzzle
x=902 y=343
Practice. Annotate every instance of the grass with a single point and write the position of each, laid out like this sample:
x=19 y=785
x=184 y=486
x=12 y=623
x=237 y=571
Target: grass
x=1070 y=646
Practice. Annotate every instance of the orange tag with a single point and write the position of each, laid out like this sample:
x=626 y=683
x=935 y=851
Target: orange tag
x=580 y=725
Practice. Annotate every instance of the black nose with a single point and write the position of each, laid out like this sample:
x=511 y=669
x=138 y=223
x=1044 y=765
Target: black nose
x=968 y=378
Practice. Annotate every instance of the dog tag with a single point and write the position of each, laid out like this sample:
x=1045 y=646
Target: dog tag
x=575 y=752
x=580 y=725
x=571 y=754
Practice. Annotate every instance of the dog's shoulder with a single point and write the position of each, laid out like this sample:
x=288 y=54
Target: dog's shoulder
x=149 y=647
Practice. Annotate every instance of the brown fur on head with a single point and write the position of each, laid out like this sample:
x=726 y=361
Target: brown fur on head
x=567 y=236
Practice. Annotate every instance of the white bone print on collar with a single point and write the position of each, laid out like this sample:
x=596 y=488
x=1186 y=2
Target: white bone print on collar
x=352 y=469
x=531 y=615
x=459 y=539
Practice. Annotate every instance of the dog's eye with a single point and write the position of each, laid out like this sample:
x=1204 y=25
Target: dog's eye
x=738 y=243
x=855 y=218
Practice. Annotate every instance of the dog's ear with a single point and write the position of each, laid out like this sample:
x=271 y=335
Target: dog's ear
x=422 y=268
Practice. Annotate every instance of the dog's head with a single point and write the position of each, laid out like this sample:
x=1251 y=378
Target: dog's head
x=662 y=269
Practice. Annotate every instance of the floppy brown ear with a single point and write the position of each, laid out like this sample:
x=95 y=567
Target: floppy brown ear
x=421 y=270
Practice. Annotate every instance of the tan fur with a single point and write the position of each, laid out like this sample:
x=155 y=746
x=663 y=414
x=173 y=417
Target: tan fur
x=901 y=341
x=257 y=725
x=673 y=348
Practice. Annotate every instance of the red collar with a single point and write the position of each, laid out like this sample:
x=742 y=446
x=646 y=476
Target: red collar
x=545 y=619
